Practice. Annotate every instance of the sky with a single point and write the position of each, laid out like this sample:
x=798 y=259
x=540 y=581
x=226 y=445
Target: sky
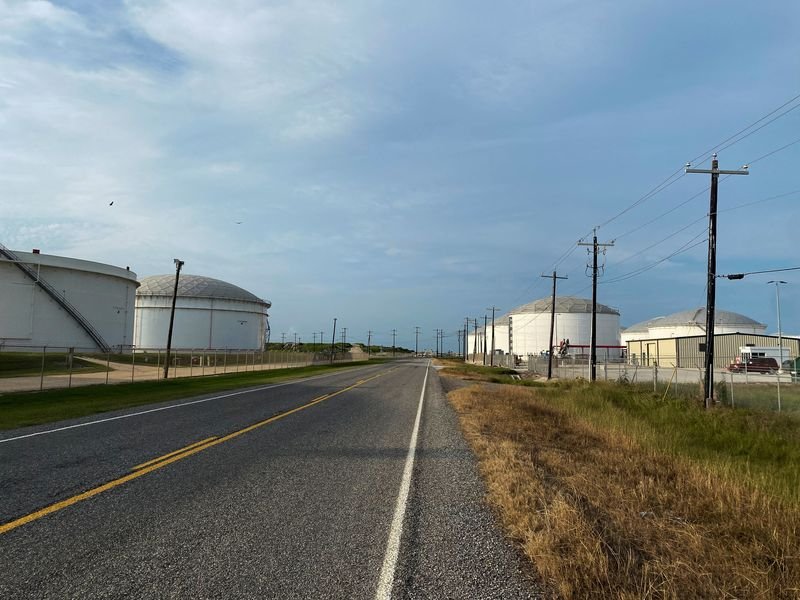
x=408 y=164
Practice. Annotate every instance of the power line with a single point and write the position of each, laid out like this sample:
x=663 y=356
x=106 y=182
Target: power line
x=641 y=270
x=726 y=143
x=741 y=275
x=719 y=147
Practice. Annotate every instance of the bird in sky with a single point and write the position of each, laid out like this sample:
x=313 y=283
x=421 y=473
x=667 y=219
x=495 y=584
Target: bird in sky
x=111 y=203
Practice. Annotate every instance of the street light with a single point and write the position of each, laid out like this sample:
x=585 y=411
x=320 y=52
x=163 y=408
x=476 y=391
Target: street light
x=778 y=302
x=178 y=265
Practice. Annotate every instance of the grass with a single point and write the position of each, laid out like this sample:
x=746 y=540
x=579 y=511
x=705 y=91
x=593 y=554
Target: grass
x=35 y=408
x=22 y=364
x=613 y=493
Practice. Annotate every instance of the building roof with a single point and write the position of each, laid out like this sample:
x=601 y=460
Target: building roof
x=564 y=304
x=195 y=286
x=697 y=317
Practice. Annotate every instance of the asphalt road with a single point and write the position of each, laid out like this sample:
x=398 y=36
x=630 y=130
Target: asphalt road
x=301 y=490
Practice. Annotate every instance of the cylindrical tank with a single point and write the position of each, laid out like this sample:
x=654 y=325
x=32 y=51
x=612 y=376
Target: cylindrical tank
x=56 y=301
x=530 y=327
x=209 y=313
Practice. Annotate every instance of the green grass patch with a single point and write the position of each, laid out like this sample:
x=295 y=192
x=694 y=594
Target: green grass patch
x=758 y=446
x=35 y=408
x=25 y=364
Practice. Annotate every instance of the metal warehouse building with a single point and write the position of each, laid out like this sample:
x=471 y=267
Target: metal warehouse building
x=677 y=339
x=62 y=302
x=689 y=351
x=209 y=313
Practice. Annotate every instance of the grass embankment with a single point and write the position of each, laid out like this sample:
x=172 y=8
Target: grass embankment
x=35 y=408
x=613 y=493
x=23 y=364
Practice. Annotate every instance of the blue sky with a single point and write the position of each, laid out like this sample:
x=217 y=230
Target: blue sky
x=402 y=164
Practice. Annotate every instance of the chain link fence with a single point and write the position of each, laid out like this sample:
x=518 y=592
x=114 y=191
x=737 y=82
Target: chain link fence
x=27 y=368
x=763 y=385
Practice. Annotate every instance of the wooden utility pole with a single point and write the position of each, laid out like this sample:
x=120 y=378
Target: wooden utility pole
x=483 y=339
x=708 y=386
x=333 y=341
x=593 y=351
x=552 y=325
x=466 y=342
x=369 y=344
x=178 y=265
x=416 y=341
x=394 y=339
x=493 y=308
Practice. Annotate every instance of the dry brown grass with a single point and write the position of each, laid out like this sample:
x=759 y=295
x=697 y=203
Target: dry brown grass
x=601 y=517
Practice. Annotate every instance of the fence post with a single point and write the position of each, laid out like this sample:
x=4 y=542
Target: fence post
x=71 y=351
x=655 y=377
x=41 y=373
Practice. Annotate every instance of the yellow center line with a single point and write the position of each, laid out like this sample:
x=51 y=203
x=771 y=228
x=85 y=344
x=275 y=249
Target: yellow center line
x=168 y=459
x=160 y=458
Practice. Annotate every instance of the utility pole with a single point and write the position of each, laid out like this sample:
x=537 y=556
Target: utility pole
x=475 y=339
x=178 y=265
x=493 y=308
x=593 y=351
x=552 y=324
x=466 y=341
x=416 y=341
x=369 y=344
x=711 y=297
x=485 y=327
x=459 y=340
x=315 y=340
x=394 y=338
x=333 y=341
x=283 y=339
x=436 y=353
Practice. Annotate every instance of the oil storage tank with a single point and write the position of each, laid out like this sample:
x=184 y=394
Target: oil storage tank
x=530 y=327
x=61 y=302
x=209 y=313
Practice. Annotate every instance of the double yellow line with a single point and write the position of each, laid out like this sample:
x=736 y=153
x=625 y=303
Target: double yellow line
x=167 y=459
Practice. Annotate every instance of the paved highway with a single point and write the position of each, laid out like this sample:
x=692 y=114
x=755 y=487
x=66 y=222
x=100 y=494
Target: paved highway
x=355 y=484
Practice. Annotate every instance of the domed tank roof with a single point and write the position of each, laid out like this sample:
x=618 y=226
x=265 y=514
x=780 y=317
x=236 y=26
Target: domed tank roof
x=195 y=286
x=564 y=304
x=696 y=316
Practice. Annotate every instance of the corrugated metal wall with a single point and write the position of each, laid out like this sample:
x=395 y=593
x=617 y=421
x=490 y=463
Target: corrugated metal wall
x=726 y=347
x=685 y=351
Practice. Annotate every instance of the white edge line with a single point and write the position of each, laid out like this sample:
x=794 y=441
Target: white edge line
x=171 y=406
x=386 y=580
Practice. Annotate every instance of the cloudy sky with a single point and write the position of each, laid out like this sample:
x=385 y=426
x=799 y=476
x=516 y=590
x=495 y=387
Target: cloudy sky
x=402 y=164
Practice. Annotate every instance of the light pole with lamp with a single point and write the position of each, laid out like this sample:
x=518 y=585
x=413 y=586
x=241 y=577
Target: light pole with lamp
x=178 y=265
x=778 y=283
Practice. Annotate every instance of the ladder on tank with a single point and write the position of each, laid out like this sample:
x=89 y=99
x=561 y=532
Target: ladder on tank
x=60 y=300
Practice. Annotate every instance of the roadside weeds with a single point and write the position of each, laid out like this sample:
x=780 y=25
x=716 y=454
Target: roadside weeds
x=602 y=516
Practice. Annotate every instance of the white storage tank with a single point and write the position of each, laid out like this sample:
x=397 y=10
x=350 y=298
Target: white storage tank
x=530 y=327
x=692 y=322
x=62 y=302
x=209 y=313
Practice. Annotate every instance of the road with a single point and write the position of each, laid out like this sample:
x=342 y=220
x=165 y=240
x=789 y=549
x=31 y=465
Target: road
x=355 y=484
